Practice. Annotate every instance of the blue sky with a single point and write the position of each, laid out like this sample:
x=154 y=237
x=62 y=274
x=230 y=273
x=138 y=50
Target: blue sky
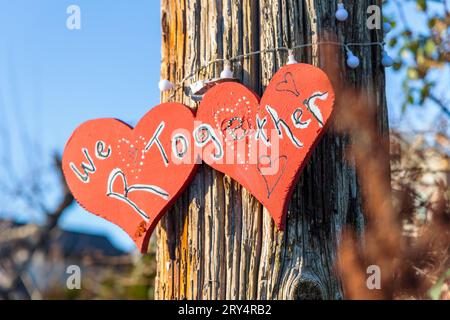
x=52 y=79
x=57 y=78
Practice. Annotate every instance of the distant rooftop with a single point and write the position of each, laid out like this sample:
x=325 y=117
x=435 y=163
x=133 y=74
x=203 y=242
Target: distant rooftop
x=71 y=243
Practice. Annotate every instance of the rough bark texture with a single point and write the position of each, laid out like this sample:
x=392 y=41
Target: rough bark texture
x=218 y=242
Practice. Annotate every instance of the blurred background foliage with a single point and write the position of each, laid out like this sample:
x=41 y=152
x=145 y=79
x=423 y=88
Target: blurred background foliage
x=420 y=184
x=135 y=281
x=408 y=230
x=422 y=53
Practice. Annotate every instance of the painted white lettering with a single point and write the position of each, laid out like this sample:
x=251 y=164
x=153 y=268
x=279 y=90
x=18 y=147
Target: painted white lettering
x=155 y=139
x=281 y=124
x=205 y=133
x=87 y=168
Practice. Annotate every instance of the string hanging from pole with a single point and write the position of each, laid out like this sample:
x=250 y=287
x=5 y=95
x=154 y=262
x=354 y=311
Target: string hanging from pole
x=352 y=60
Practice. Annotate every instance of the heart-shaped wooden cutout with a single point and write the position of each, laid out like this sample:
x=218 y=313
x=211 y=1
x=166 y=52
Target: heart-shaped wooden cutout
x=131 y=176
x=264 y=144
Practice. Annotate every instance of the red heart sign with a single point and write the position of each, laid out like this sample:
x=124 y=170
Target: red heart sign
x=264 y=145
x=131 y=176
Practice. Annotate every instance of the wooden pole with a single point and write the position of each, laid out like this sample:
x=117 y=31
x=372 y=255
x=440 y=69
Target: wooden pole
x=218 y=242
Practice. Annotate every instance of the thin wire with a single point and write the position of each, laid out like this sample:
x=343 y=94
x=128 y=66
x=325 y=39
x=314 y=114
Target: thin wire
x=264 y=51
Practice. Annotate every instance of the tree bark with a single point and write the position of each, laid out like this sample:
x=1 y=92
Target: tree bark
x=218 y=242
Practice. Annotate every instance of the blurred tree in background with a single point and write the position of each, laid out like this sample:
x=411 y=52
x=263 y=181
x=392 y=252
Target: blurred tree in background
x=422 y=53
x=410 y=237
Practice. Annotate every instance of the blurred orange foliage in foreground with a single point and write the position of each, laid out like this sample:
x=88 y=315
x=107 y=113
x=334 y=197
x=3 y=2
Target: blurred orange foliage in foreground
x=409 y=265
